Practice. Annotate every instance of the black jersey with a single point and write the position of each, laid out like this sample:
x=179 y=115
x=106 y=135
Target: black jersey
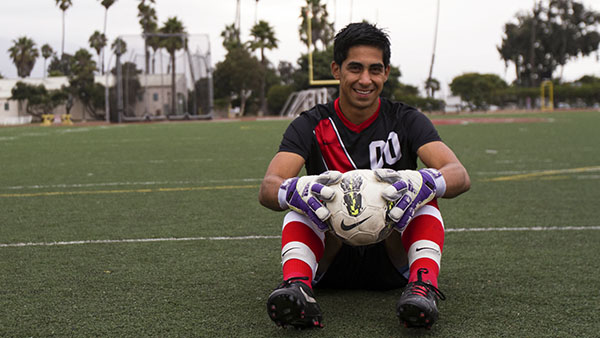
x=389 y=139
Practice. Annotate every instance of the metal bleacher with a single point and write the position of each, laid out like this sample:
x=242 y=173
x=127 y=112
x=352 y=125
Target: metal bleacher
x=303 y=100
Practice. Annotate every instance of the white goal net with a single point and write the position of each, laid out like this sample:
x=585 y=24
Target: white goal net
x=147 y=88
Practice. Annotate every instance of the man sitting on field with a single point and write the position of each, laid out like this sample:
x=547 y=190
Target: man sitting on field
x=360 y=130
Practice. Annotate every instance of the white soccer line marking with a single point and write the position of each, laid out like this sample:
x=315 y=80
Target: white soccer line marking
x=235 y=238
x=111 y=184
x=576 y=228
x=138 y=240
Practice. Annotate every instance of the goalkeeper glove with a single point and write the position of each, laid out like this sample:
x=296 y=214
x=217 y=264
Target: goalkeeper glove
x=409 y=191
x=305 y=195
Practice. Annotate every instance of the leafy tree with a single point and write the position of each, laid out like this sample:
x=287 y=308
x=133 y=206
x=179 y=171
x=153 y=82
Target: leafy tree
x=478 y=90
x=286 y=72
x=321 y=29
x=589 y=79
x=404 y=90
x=38 y=99
x=238 y=75
x=82 y=85
x=149 y=23
x=263 y=38
x=172 y=40
x=47 y=52
x=277 y=96
x=63 y=5
x=98 y=42
x=321 y=68
x=231 y=37
x=555 y=32
x=106 y=4
x=23 y=54
x=392 y=83
x=60 y=66
x=132 y=88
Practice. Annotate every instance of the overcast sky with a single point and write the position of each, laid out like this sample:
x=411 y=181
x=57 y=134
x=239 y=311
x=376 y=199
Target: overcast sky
x=469 y=30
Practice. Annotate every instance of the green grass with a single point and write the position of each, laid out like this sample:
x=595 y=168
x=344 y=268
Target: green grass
x=200 y=180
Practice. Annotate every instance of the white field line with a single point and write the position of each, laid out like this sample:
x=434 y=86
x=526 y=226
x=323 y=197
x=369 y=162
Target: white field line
x=112 y=184
x=138 y=240
x=235 y=238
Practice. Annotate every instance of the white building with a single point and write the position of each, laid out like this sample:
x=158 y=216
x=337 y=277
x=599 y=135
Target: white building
x=155 y=98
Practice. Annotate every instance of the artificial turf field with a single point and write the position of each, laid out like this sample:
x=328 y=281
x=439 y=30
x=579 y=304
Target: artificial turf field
x=140 y=230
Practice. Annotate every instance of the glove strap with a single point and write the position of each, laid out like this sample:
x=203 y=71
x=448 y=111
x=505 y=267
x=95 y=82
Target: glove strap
x=440 y=182
x=282 y=194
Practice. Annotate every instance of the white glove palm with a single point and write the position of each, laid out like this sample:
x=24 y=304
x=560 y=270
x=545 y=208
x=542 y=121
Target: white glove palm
x=304 y=195
x=409 y=191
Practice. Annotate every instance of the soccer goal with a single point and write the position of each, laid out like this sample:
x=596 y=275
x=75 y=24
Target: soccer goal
x=161 y=76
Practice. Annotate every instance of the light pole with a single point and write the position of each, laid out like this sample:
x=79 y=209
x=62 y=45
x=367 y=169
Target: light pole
x=437 y=19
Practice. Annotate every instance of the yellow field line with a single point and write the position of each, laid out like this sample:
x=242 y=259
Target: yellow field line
x=543 y=173
x=128 y=191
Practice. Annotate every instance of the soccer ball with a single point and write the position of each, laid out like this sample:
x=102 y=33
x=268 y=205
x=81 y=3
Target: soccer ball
x=358 y=212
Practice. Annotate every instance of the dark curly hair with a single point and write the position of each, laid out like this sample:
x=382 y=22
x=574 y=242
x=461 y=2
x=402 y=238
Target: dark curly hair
x=360 y=33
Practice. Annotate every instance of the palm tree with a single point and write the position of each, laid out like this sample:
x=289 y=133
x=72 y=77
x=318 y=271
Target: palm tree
x=264 y=38
x=148 y=21
x=119 y=47
x=98 y=42
x=174 y=37
x=63 y=5
x=321 y=29
x=430 y=83
x=231 y=37
x=106 y=4
x=431 y=86
x=24 y=53
x=47 y=52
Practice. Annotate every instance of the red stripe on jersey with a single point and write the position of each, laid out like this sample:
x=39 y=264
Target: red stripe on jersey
x=300 y=232
x=357 y=128
x=331 y=147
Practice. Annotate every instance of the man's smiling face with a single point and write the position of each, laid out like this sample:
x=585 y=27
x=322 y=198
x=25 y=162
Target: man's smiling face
x=361 y=75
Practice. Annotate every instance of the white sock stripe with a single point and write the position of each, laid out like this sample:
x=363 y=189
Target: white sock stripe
x=300 y=251
x=424 y=249
x=293 y=216
x=431 y=211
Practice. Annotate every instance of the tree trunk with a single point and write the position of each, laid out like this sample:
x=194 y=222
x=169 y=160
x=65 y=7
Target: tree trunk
x=62 y=46
x=242 y=102
x=102 y=62
x=147 y=56
x=173 y=87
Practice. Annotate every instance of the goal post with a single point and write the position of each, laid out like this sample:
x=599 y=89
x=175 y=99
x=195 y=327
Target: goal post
x=311 y=80
x=547 y=102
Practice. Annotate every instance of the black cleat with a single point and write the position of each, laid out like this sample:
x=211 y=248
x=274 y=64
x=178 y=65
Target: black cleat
x=293 y=303
x=417 y=306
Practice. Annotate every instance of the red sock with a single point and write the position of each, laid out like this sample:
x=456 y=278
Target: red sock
x=421 y=238
x=302 y=248
x=297 y=268
x=426 y=269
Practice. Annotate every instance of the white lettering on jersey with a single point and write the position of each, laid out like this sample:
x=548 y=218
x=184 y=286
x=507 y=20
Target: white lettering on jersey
x=388 y=151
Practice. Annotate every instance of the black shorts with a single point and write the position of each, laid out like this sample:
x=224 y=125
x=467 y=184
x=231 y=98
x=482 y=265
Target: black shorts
x=362 y=267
